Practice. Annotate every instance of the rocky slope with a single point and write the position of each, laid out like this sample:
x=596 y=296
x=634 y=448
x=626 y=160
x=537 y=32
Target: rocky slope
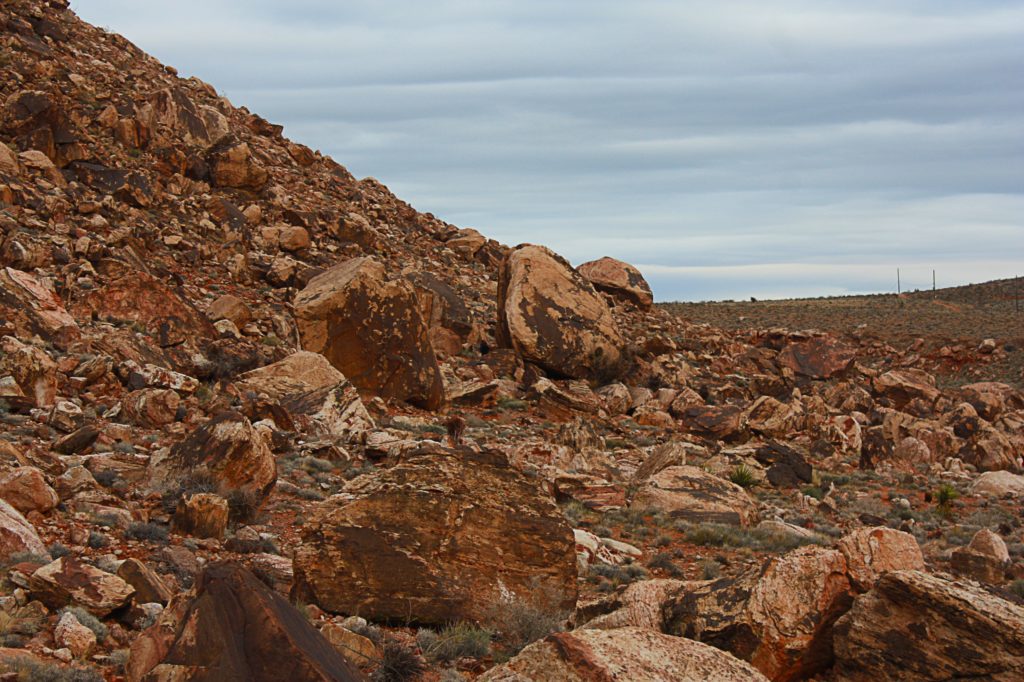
x=250 y=401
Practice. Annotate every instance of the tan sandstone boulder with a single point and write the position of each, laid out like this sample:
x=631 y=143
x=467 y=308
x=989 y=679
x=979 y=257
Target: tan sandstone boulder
x=554 y=318
x=694 y=495
x=68 y=580
x=621 y=280
x=871 y=552
x=631 y=653
x=26 y=489
x=821 y=357
x=441 y=536
x=16 y=534
x=369 y=328
x=917 y=626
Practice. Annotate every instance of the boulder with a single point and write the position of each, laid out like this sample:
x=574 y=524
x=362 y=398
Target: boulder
x=68 y=580
x=820 y=357
x=231 y=626
x=871 y=552
x=714 y=422
x=901 y=386
x=312 y=390
x=151 y=407
x=357 y=649
x=370 y=329
x=551 y=316
x=629 y=653
x=32 y=369
x=26 y=489
x=694 y=495
x=620 y=280
x=149 y=587
x=439 y=537
x=228 y=307
x=203 y=515
x=71 y=634
x=641 y=604
x=778 y=618
x=232 y=165
x=17 y=535
x=33 y=307
x=914 y=625
x=236 y=453
x=999 y=484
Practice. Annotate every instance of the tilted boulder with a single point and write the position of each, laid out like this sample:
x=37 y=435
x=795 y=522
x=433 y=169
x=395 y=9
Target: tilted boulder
x=32 y=369
x=821 y=357
x=231 y=626
x=33 y=307
x=871 y=552
x=369 y=328
x=901 y=386
x=914 y=625
x=554 y=318
x=620 y=280
x=437 y=538
x=26 y=489
x=68 y=580
x=307 y=385
x=232 y=164
x=17 y=535
x=694 y=495
x=236 y=453
x=778 y=618
x=630 y=653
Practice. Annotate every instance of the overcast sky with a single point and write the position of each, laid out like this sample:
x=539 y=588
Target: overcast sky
x=727 y=148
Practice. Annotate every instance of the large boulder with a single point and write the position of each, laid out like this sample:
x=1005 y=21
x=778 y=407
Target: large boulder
x=232 y=164
x=692 y=494
x=68 y=580
x=620 y=280
x=630 y=653
x=231 y=626
x=900 y=386
x=32 y=369
x=441 y=536
x=821 y=357
x=999 y=484
x=17 y=535
x=778 y=618
x=370 y=328
x=33 y=307
x=310 y=388
x=26 y=489
x=554 y=318
x=234 y=452
x=918 y=626
x=871 y=552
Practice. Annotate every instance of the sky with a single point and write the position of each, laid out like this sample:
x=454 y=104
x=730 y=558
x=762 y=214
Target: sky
x=728 y=149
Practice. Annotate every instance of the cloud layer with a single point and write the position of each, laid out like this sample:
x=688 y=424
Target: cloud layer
x=729 y=149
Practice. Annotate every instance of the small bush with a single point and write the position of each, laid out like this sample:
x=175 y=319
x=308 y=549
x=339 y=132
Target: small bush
x=461 y=640
x=40 y=671
x=721 y=535
x=506 y=403
x=743 y=476
x=521 y=622
x=710 y=569
x=97 y=540
x=58 y=550
x=617 y=575
x=399 y=663
x=1017 y=588
x=146 y=531
x=106 y=477
x=243 y=505
x=574 y=512
x=88 y=620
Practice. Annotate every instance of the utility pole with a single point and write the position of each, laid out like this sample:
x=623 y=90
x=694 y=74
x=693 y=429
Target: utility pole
x=898 y=290
x=933 y=281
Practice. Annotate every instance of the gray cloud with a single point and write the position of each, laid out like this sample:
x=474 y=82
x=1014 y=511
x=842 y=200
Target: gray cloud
x=728 y=149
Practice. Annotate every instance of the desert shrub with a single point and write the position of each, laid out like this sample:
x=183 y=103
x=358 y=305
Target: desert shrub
x=88 y=620
x=30 y=670
x=520 y=622
x=153 y=532
x=944 y=498
x=574 y=512
x=721 y=535
x=57 y=550
x=97 y=540
x=243 y=505
x=743 y=476
x=309 y=494
x=461 y=640
x=1016 y=588
x=399 y=663
x=663 y=561
x=710 y=569
x=506 y=403
x=369 y=631
x=617 y=575
x=105 y=477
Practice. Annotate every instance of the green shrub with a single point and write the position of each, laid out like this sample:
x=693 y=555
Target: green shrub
x=520 y=622
x=29 y=670
x=461 y=640
x=146 y=531
x=743 y=476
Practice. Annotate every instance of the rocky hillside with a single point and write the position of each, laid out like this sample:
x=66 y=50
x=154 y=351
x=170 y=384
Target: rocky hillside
x=260 y=420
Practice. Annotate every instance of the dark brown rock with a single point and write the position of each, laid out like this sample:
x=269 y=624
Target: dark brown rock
x=821 y=357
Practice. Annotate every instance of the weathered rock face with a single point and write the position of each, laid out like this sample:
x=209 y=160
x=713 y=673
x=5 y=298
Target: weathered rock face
x=901 y=386
x=631 y=653
x=203 y=515
x=33 y=307
x=779 y=619
x=715 y=422
x=70 y=581
x=32 y=369
x=232 y=165
x=553 y=317
x=307 y=385
x=16 y=534
x=234 y=451
x=999 y=484
x=370 y=329
x=913 y=625
x=149 y=587
x=439 y=537
x=821 y=357
x=641 y=604
x=233 y=627
x=151 y=407
x=448 y=319
x=871 y=552
x=619 y=279
x=693 y=494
